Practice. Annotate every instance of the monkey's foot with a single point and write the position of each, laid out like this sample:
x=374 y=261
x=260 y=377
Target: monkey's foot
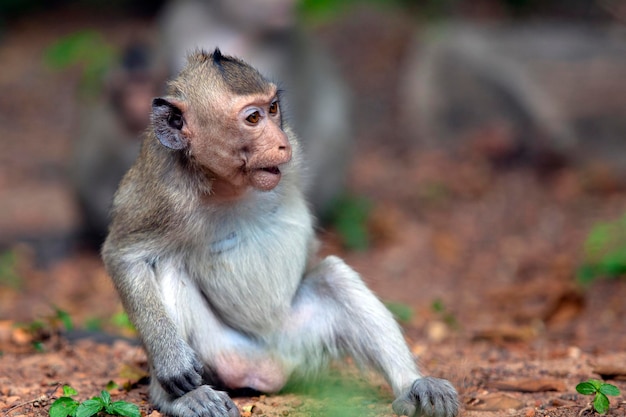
x=428 y=397
x=203 y=402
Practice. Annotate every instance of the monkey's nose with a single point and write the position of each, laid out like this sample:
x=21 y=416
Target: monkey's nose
x=285 y=152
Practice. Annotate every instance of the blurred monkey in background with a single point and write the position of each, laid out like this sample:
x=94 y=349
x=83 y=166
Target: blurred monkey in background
x=109 y=140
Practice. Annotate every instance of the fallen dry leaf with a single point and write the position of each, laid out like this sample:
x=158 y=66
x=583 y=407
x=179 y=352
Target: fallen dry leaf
x=494 y=402
x=611 y=371
x=130 y=375
x=529 y=385
x=506 y=333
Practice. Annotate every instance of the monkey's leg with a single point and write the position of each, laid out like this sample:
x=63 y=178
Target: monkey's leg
x=335 y=312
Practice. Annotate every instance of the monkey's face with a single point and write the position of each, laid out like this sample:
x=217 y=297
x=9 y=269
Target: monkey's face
x=241 y=142
x=226 y=119
x=248 y=147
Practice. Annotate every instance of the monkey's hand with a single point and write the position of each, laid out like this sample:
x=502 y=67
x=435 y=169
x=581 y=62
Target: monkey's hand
x=205 y=402
x=178 y=369
x=428 y=396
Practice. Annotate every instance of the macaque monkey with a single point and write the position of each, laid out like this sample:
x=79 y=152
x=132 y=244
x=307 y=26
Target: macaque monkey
x=213 y=253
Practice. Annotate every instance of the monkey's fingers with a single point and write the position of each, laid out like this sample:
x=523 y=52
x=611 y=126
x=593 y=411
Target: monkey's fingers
x=428 y=397
x=205 y=402
x=181 y=384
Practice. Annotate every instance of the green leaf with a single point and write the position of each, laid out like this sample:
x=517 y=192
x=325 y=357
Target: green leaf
x=106 y=397
x=123 y=408
x=586 y=388
x=601 y=403
x=63 y=407
x=111 y=385
x=608 y=389
x=596 y=383
x=89 y=408
x=69 y=391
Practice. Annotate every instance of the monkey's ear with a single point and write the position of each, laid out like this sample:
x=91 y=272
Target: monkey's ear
x=168 y=121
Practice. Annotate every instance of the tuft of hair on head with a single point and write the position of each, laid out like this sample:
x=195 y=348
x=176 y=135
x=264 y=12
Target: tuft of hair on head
x=217 y=57
x=239 y=77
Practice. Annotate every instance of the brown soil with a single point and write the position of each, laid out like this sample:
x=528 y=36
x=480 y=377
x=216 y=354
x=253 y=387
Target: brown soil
x=497 y=249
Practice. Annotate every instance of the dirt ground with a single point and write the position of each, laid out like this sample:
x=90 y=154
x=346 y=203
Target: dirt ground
x=484 y=257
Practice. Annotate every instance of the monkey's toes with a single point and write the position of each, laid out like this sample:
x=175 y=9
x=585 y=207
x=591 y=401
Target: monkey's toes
x=428 y=397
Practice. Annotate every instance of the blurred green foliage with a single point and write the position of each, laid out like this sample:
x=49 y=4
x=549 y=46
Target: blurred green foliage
x=64 y=318
x=86 y=50
x=93 y=324
x=402 y=312
x=337 y=395
x=122 y=321
x=604 y=252
x=119 y=322
x=320 y=11
x=442 y=311
x=9 y=275
x=349 y=217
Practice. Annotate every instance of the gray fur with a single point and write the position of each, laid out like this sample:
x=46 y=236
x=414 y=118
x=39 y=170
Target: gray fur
x=236 y=288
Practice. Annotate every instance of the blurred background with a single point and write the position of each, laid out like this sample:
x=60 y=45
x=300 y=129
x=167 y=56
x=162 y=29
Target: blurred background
x=468 y=157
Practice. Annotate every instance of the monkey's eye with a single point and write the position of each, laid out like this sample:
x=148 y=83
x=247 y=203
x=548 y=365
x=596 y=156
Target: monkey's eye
x=254 y=118
x=175 y=120
x=274 y=107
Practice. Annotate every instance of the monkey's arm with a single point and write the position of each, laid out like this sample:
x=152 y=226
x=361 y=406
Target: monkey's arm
x=174 y=363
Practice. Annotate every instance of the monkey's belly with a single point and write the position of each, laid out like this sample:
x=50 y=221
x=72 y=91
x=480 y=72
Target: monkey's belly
x=264 y=374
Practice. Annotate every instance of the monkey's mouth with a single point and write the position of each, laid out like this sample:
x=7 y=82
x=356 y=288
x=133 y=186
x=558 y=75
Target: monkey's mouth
x=272 y=170
x=265 y=178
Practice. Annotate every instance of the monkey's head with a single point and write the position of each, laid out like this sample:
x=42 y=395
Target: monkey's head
x=224 y=117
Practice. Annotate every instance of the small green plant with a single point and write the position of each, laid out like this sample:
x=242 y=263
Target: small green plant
x=599 y=390
x=67 y=406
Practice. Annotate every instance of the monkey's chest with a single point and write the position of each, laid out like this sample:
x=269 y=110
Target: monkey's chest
x=250 y=277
